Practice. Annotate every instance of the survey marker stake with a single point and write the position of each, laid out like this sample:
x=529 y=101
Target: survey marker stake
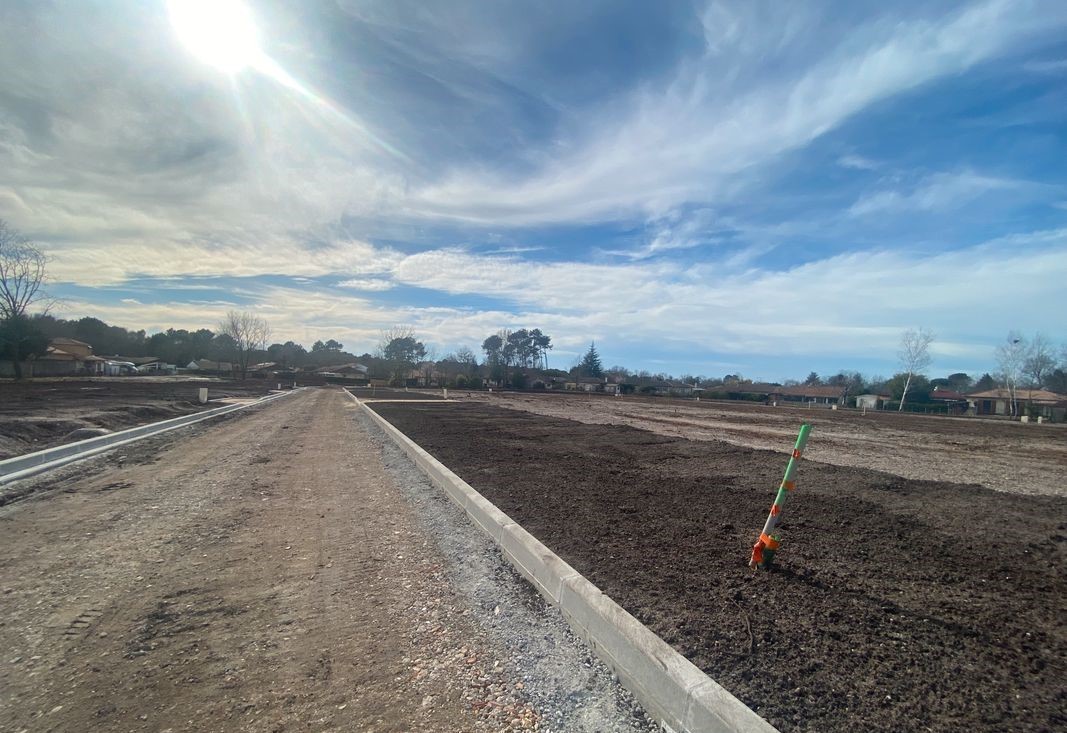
x=765 y=547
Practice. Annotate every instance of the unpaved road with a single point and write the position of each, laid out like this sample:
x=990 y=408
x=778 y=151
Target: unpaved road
x=1000 y=455
x=264 y=574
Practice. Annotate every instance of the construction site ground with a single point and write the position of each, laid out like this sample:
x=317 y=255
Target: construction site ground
x=997 y=453
x=896 y=603
x=279 y=569
x=40 y=413
x=286 y=568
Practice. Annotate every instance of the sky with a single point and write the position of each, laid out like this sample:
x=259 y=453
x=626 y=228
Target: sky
x=762 y=188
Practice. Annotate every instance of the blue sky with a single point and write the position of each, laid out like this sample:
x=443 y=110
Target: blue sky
x=706 y=187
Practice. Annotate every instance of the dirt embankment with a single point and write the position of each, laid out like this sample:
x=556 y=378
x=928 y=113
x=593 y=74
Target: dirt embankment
x=897 y=604
x=39 y=414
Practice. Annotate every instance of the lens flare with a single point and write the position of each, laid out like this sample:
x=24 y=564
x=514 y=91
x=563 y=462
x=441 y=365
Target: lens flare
x=218 y=32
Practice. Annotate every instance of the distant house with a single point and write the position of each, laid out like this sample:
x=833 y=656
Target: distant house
x=871 y=401
x=144 y=364
x=1037 y=402
x=584 y=384
x=955 y=402
x=352 y=372
x=64 y=357
x=814 y=394
x=209 y=366
x=664 y=388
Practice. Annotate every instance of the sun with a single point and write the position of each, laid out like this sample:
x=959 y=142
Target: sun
x=218 y=32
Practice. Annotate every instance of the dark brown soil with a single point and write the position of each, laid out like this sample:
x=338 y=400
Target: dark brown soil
x=896 y=604
x=387 y=393
x=37 y=414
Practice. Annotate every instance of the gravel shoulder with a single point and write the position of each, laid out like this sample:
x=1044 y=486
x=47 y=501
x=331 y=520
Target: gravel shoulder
x=566 y=685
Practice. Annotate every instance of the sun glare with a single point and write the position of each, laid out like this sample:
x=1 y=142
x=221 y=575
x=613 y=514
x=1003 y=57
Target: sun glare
x=218 y=32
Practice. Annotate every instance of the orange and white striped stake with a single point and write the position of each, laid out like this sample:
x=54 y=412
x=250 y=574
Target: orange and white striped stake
x=767 y=544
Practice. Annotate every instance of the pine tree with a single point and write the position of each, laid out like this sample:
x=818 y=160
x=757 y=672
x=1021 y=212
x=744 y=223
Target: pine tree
x=591 y=366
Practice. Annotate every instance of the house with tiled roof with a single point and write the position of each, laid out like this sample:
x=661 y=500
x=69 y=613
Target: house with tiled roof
x=1030 y=402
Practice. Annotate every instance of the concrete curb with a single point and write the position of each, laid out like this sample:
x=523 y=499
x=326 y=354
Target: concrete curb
x=670 y=687
x=30 y=464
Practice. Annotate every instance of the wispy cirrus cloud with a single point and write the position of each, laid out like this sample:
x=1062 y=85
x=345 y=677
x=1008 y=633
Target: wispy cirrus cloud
x=692 y=139
x=367 y=284
x=938 y=192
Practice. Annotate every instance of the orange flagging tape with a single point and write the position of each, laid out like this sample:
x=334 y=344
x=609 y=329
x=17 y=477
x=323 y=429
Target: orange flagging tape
x=775 y=510
x=789 y=485
x=757 y=554
x=796 y=453
x=769 y=542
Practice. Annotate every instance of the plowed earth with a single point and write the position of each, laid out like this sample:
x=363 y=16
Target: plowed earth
x=896 y=604
x=42 y=413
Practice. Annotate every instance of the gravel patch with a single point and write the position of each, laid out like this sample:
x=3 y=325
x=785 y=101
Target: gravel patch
x=549 y=679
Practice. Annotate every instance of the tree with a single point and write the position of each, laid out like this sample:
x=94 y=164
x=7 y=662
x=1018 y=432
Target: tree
x=22 y=273
x=1039 y=361
x=985 y=382
x=960 y=381
x=402 y=352
x=249 y=334
x=20 y=338
x=466 y=357
x=329 y=345
x=1011 y=359
x=812 y=380
x=542 y=344
x=286 y=355
x=916 y=385
x=1057 y=381
x=849 y=382
x=590 y=365
x=914 y=356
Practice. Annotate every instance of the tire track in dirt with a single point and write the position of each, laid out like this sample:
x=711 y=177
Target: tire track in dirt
x=262 y=574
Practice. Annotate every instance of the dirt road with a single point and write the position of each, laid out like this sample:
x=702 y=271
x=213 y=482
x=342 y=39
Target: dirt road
x=262 y=574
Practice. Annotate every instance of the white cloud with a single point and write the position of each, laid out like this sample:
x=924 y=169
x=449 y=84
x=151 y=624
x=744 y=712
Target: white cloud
x=88 y=264
x=937 y=192
x=857 y=162
x=852 y=305
x=368 y=284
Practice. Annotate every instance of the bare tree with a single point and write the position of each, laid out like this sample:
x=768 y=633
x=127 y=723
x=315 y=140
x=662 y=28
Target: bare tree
x=1011 y=358
x=1039 y=361
x=249 y=332
x=22 y=273
x=914 y=356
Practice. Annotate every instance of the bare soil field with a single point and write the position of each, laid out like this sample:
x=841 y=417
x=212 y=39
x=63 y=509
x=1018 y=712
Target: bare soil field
x=387 y=393
x=896 y=604
x=1001 y=455
x=41 y=413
